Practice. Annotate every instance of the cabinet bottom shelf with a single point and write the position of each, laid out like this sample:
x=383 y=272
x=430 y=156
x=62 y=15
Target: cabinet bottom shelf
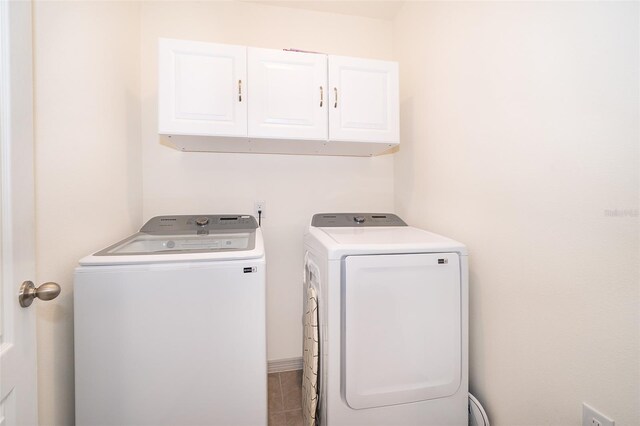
x=276 y=146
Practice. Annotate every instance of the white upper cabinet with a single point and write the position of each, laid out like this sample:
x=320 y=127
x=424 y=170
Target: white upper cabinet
x=224 y=98
x=287 y=95
x=364 y=100
x=202 y=89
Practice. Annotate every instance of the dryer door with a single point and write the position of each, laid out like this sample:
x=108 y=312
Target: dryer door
x=401 y=331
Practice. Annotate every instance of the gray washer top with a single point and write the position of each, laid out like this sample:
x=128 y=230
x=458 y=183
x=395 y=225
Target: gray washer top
x=328 y=220
x=199 y=224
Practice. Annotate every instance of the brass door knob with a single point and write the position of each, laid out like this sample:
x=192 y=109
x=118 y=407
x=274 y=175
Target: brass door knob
x=28 y=292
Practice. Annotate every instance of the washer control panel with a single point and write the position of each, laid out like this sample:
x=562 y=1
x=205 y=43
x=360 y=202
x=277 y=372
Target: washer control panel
x=202 y=221
x=328 y=220
x=199 y=224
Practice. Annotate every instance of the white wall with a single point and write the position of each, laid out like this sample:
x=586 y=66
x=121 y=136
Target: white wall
x=519 y=132
x=294 y=187
x=88 y=179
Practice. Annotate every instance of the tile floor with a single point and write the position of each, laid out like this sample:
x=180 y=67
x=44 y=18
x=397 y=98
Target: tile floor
x=285 y=398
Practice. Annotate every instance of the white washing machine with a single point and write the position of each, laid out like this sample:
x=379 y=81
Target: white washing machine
x=170 y=326
x=390 y=306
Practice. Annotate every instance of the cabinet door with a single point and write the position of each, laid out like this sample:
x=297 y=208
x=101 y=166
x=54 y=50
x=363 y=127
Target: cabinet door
x=202 y=88
x=288 y=94
x=364 y=100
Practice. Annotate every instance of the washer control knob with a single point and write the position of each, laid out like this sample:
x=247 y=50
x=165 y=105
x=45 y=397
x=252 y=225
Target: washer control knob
x=202 y=221
x=358 y=219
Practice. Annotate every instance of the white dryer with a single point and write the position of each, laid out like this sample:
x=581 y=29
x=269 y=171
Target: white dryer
x=392 y=314
x=170 y=326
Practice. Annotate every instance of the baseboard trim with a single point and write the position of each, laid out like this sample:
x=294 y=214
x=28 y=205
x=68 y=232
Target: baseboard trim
x=279 y=365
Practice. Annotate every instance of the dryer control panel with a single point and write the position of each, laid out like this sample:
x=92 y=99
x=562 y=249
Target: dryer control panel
x=327 y=220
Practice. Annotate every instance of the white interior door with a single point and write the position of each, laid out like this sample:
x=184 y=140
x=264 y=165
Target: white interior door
x=287 y=93
x=201 y=88
x=364 y=100
x=18 y=391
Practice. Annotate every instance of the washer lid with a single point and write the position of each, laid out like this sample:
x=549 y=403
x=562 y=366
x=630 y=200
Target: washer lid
x=186 y=238
x=188 y=234
x=198 y=224
x=142 y=243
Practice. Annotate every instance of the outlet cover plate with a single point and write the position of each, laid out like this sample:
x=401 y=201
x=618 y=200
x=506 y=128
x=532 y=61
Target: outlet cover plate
x=592 y=417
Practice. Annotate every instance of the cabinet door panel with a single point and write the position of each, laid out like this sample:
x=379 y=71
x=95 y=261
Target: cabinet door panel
x=287 y=94
x=200 y=88
x=364 y=100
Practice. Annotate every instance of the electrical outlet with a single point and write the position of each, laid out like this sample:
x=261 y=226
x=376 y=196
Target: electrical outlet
x=591 y=417
x=259 y=206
